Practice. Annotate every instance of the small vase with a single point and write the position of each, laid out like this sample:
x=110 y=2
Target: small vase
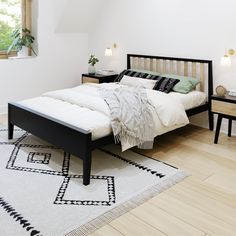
x=24 y=52
x=92 y=70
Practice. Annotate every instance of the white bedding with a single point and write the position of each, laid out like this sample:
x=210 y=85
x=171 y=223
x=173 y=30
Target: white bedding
x=190 y=100
x=83 y=107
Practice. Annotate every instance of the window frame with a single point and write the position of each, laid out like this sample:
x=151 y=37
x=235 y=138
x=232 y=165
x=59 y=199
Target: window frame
x=26 y=19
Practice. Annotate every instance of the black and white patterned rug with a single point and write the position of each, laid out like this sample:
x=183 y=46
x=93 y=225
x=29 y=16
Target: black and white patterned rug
x=41 y=190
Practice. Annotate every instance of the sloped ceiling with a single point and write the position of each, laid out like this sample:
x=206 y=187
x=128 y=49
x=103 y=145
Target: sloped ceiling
x=78 y=16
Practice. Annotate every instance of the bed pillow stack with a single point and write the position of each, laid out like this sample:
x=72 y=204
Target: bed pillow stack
x=164 y=83
x=147 y=79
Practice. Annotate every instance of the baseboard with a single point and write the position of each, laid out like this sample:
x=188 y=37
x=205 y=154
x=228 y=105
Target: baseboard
x=3 y=110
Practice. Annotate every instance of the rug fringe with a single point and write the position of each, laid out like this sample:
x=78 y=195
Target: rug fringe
x=127 y=206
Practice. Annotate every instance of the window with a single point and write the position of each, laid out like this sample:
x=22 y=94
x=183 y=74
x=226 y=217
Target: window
x=13 y=14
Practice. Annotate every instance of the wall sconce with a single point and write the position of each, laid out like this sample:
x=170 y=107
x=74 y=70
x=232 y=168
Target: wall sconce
x=108 y=51
x=226 y=60
x=231 y=52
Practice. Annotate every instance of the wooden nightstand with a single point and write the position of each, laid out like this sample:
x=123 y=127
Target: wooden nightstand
x=98 y=79
x=225 y=107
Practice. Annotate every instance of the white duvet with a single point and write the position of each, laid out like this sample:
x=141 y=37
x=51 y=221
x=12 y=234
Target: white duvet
x=83 y=107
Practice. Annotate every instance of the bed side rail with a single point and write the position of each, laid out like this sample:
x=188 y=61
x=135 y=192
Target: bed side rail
x=72 y=139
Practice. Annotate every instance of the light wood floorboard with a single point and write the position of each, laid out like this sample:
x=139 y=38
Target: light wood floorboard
x=191 y=215
x=129 y=224
x=107 y=230
x=203 y=204
x=3 y=119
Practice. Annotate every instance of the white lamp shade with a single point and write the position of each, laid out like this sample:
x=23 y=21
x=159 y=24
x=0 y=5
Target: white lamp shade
x=108 y=52
x=226 y=61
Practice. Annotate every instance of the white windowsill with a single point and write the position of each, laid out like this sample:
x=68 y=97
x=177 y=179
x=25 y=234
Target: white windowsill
x=17 y=58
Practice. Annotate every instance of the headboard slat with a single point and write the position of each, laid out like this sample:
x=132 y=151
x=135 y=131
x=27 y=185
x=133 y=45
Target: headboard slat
x=158 y=63
x=179 y=68
x=185 y=68
x=164 y=66
x=152 y=65
x=202 y=76
x=194 y=69
x=172 y=70
x=136 y=63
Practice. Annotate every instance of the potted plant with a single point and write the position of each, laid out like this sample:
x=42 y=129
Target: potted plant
x=92 y=62
x=22 y=42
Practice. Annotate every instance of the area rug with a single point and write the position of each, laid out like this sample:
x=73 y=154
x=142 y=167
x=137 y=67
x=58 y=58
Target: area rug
x=41 y=190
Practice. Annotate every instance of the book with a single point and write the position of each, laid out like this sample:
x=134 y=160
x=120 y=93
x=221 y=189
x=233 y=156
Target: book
x=232 y=92
x=106 y=72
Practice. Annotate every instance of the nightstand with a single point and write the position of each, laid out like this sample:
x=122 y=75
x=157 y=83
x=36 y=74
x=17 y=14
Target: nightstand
x=225 y=107
x=98 y=79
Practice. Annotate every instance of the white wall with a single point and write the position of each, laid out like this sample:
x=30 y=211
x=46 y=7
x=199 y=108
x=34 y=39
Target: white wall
x=79 y=15
x=59 y=64
x=181 y=28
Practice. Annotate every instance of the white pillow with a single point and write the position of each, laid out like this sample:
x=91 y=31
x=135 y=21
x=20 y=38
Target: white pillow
x=134 y=81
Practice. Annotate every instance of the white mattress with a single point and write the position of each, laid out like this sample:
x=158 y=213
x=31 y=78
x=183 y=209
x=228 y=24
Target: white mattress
x=94 y=121
x=80 y=117
x=190 y=100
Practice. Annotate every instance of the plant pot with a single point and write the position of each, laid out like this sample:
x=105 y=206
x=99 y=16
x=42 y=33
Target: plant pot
x=24 y=52
x=92 y=70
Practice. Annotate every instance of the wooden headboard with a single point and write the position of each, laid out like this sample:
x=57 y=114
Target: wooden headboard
x=201 y=69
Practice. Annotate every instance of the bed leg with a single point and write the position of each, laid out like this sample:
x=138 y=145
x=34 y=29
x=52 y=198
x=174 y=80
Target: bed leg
x=10 y=125
x=211 y=120
x=10 y=130
x=87 y=168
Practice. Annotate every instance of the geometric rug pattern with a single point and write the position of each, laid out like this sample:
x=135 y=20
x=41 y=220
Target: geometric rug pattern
x=40 y=183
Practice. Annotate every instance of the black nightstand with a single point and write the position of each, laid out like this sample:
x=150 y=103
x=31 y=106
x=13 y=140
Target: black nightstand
x=98 y=79
x=225 y=107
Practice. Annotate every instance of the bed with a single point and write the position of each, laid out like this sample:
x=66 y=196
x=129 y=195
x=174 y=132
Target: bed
x=82 y=141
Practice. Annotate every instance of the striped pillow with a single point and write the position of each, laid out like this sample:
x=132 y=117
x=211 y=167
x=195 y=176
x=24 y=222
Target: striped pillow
x=137 y=74
x=165 y=84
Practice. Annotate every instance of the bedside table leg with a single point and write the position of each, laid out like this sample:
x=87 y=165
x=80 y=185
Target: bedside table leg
x=219 y=121
x=230 y=128
x=211 y=120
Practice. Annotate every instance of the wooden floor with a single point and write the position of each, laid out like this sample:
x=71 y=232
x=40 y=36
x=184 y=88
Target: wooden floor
x=203 y=204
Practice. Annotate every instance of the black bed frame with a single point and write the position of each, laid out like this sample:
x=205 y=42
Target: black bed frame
x=78 y=141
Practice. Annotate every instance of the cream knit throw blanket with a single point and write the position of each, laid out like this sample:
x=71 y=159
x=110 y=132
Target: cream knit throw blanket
x=131 y=116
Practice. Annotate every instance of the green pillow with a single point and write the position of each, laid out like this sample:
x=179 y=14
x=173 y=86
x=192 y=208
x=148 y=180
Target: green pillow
x=185 y=85
x=146 y=72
